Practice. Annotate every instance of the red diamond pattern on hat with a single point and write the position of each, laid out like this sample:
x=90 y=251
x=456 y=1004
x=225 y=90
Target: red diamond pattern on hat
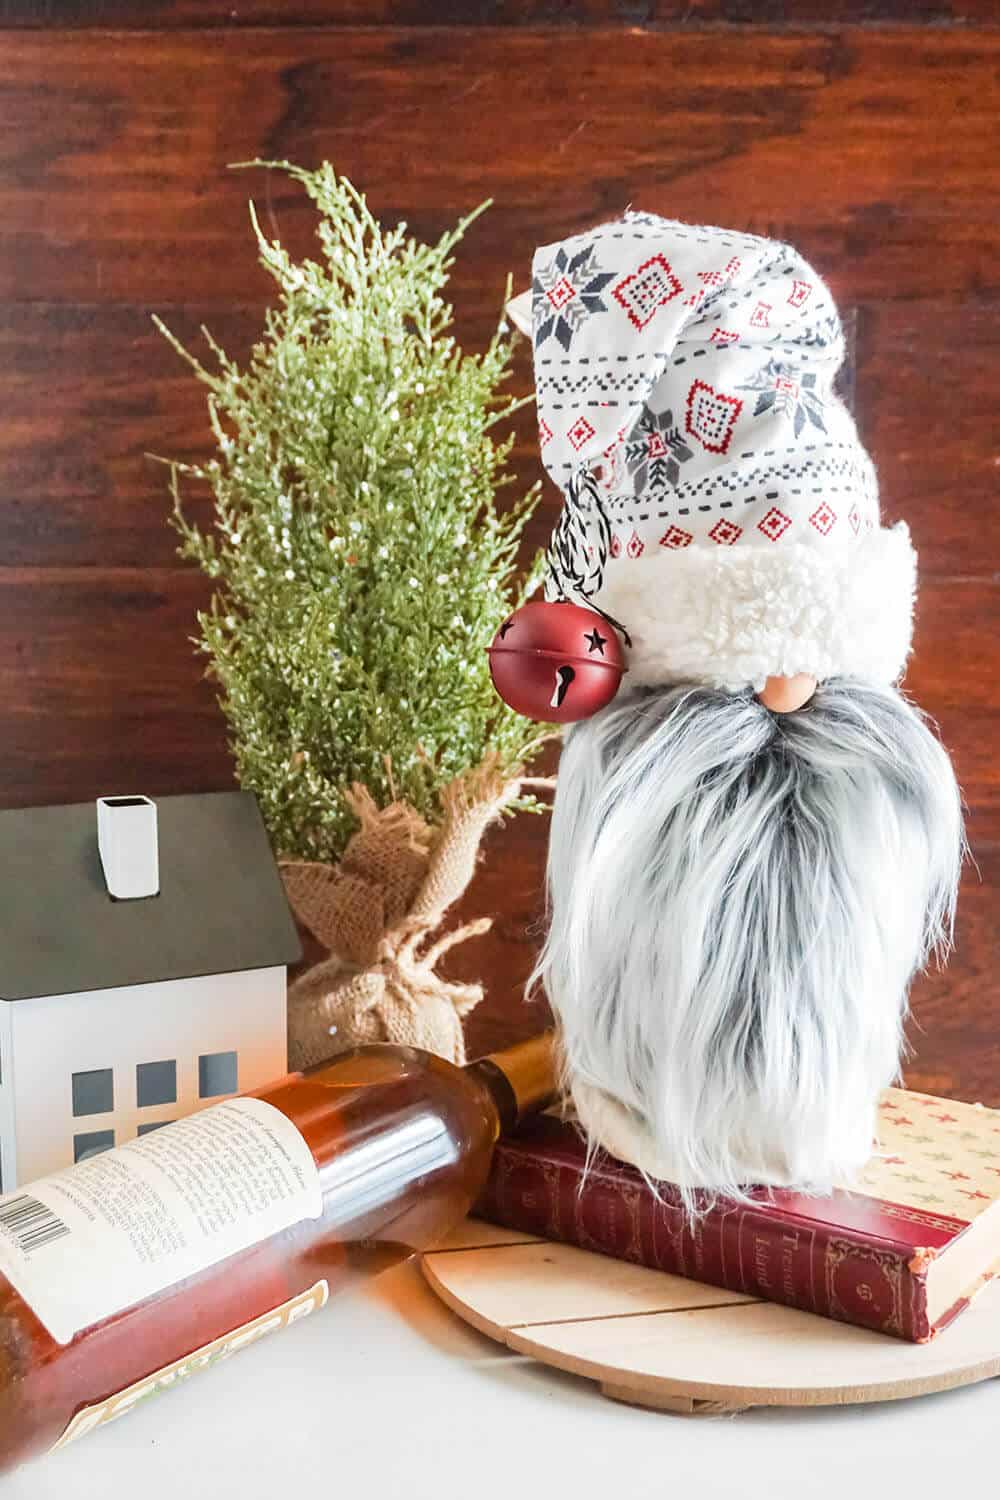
x=564 y=291
x=656 y=447
x=711 y=416
x=824 y=518
x=774 y=524
x=711 y=279
x=544 y=433
x=674 y=537
x=758 y=318
x=722 y=336
x=580 y=433
x=801 y=292
x=635 y=547
x=647 y=289
x=725 y=532
x=616 y=546
x=855 y=519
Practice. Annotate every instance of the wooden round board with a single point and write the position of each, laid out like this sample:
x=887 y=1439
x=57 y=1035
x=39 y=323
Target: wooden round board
x=661 y=1341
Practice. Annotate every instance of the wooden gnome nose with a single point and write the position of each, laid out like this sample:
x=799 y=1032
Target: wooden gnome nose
x=783 y=695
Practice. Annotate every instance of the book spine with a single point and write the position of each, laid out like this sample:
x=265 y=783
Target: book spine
x=818 y=1268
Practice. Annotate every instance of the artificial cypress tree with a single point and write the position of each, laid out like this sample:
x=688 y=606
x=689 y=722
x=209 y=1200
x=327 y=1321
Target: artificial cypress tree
x=361 y=566
x=360 y=559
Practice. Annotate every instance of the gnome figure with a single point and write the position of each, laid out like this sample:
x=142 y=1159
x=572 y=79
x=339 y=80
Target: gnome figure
x=758 y=841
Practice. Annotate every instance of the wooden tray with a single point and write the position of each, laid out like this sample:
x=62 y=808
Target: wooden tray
x=661 y=1341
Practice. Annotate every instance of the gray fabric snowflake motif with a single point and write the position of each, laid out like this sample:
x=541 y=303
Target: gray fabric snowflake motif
x=782 y=388
x=655 y=450
x=565 y=293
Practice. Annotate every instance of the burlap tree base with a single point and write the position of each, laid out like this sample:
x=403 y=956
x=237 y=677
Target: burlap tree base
x=376 y=912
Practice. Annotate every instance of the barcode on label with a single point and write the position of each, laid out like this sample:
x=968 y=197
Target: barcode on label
x=30 y=1224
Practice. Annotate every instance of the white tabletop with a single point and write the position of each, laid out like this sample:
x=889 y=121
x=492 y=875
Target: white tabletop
x=385 y=1393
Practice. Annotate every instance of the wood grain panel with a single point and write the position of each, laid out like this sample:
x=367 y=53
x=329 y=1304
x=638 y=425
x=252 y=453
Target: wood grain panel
x=632 y=13
x=112 y=167
x=723 y=1360
x=952 y=675
x=87 y=644
x=471 y=1234
x=88 y=392
x=102 y=690
x=516 y=1286
x=954 y=1033
x=928 y=385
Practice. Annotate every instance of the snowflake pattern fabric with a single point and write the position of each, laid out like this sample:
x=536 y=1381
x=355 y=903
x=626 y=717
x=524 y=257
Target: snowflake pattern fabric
x=566 y=292
x=684 y=378
x=785 y=389
x=655 y=450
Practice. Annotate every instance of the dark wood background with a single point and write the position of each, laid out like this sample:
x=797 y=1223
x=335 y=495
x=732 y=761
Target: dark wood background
x=864 y=131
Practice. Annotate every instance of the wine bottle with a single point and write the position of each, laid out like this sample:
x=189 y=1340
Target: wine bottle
x=128 y=1272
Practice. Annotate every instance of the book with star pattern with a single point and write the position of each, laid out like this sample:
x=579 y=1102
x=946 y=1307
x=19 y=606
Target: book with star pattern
x=904 y=1250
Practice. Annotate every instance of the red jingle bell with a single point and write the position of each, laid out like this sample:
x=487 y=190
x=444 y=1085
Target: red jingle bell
x=557 y=662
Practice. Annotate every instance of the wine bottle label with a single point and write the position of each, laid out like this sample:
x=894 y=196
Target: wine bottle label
x=89 y=1417
x=88 y=1242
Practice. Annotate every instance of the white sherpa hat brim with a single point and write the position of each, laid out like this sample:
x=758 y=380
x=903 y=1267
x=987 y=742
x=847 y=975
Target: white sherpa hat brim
x=732 y=617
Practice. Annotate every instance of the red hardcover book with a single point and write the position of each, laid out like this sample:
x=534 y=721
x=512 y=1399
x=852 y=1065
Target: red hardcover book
x=903 y=1251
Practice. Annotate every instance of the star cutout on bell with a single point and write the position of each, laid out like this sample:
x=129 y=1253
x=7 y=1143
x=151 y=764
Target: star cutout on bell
x=550 y=662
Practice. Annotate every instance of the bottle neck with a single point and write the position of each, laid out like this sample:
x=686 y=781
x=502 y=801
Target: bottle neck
x=522 y=1079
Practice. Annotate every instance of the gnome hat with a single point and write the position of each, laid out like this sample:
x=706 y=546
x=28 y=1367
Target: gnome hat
x=719 y=505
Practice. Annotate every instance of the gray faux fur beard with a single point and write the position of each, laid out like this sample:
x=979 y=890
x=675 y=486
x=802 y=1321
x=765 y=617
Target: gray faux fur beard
x=738 y=902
